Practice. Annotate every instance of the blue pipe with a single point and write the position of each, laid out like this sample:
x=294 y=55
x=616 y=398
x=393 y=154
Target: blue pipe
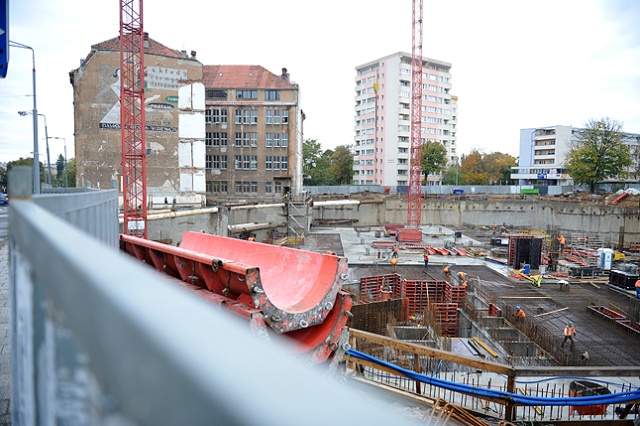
x=614 y=398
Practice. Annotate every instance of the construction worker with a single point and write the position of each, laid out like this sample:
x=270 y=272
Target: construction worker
x=569 y=332
x=638 y=289
x=447 y=269
x=462 y=275
x=425 y=256
x=395 y=251
x=519 y=314
x=562 y=240
x=536 y=280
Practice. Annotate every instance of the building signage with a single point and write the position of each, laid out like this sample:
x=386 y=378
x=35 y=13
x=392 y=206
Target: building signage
x=542 y=175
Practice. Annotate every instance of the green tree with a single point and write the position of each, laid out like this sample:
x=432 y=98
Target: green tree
x=60 y=166
x=451 y=176
x=315 y=164
x=433 y=158
x=341 y=166
x=23 y=162
x=598 y=154
x=71 y=169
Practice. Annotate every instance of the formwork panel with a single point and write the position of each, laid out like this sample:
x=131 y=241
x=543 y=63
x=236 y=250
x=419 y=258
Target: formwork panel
x=374 y=317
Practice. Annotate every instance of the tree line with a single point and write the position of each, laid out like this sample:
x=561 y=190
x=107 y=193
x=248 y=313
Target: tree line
x=598 y=153
x=57 y=173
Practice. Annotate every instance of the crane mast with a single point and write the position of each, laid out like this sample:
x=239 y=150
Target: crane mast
x=415 y=181
x=132 y=118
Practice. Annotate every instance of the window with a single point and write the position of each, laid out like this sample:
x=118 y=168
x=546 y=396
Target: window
x=268 y=162
x=278 y=187
x=268 y=141
x=216 y=94
x=285 y=116
x=209 y=186
x=207 y=160
x=254 y=139
x=220 y=186
x=268 y=187
x=220 y=162
x=254 y=187
x=284 y=164
x=242 y=139
x=284 y=140
x=208 y=138
x=276 y=140
x=276 y=162
x=246 y=116
x=273 y=116
x=246 y=162
x=207 y=116
x=254 y=162
x=246 y=94
x=238 y=186
x=218 y=116
x=272 y=95
x=219 y=138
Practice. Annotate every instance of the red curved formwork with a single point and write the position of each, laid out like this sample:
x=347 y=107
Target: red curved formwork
x=294 y=289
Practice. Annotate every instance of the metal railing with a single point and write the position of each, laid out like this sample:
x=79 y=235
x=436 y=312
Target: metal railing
x=97 y=338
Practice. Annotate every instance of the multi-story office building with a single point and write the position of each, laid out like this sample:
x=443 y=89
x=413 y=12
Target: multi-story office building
x=383 y=117
x=544 y=149
x=253 y=132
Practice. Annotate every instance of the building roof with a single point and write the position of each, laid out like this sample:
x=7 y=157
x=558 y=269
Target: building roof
x=243 y=76
x=154 y=48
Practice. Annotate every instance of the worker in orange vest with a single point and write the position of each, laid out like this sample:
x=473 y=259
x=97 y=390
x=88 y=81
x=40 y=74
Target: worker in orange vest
x=447 y=269
x=425 y=256
x=638 y=289
x=519 y=314
x=569 y=332
x=395 y=251
x=562 y=240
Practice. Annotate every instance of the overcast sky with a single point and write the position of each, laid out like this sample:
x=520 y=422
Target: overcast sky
x=515 y=64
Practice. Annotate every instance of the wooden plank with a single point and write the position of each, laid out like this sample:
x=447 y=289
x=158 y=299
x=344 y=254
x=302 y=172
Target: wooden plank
x=538 y=409
x=436 y=353
x=552 y=312
x=486 y=347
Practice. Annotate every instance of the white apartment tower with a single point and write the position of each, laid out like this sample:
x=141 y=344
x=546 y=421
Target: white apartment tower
x=383 y=117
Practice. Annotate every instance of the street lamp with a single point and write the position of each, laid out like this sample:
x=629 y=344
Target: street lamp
x=36 y=162
x=46 y=136
x=66 y=169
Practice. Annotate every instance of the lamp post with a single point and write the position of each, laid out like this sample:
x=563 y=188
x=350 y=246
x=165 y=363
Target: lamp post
x=66 y=169
x=46 y=136
x=36 y=161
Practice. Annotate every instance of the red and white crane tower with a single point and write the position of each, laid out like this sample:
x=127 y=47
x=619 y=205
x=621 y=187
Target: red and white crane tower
x=132 y=118
x=415 y=181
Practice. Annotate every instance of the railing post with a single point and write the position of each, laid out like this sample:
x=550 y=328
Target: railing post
x=509 y=407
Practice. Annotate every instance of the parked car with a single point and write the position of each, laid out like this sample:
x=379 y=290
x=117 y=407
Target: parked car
x=4 y=199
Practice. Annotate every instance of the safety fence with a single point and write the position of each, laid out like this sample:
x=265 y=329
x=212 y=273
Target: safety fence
x=496 y=390
x=97 y=338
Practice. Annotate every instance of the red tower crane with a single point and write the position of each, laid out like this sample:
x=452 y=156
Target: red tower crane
x=415 y=181
x=132 y=118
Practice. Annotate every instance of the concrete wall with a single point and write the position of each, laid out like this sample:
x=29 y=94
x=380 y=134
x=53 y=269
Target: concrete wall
x=607 y=221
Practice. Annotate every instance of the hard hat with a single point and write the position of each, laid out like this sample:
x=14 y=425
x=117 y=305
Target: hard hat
x=570 y=323
x=517 y=308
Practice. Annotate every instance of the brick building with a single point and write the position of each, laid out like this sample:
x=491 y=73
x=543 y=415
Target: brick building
x=253 y=132
x=245 y=142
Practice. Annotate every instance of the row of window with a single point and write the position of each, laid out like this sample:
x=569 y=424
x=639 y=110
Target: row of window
x=247 y=162
x=245 y=116
x=247 y=139
x=269 y=95
x=244 y=186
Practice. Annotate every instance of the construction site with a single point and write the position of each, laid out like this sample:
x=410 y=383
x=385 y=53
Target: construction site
x=455 y=310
